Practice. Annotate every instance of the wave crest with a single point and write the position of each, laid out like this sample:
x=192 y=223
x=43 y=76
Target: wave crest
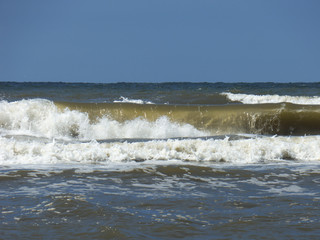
x=258 y=99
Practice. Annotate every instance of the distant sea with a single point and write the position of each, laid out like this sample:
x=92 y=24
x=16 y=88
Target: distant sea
x=160 y=161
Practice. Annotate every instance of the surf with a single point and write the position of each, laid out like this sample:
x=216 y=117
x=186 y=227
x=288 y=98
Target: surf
x=88 y=121
x=254 y=150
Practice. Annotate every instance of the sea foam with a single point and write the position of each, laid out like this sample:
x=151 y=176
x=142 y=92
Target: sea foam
x=187 y=151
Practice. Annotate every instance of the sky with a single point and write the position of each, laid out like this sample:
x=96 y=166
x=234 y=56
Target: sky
x=160 y=41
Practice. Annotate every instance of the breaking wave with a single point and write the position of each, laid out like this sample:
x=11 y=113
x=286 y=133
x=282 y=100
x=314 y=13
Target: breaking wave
x=88 y=121
x=42 y=118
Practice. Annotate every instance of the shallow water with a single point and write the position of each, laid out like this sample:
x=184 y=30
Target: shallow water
x=161 y=202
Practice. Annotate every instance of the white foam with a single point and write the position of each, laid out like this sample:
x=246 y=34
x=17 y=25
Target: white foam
x=42 y=118
x=245 y=151
x=136 y=101
x=256 y=99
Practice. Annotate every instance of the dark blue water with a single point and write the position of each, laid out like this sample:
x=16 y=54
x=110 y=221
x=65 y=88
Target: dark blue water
x=174 y=93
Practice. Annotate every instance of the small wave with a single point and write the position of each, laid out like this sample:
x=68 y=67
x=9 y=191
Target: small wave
x=135 y=101
x=258 y=99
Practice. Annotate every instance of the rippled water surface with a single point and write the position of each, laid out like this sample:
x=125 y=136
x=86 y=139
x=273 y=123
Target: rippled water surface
x=161 y=202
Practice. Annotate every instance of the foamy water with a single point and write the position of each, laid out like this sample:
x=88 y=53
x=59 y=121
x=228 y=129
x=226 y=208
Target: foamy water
x=204 y=151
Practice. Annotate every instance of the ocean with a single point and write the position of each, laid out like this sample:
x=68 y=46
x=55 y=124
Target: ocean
x=159 y=160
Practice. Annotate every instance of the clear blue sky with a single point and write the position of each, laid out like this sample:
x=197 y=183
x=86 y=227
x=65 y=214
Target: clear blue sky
x=164 y=40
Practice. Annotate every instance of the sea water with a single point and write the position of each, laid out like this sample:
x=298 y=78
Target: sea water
x=159 y=161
